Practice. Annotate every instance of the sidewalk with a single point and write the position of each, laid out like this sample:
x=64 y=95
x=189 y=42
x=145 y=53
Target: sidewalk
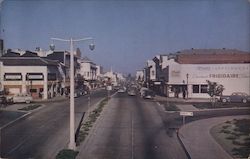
x=187 y=107
x=198 y=141
x=180 y=100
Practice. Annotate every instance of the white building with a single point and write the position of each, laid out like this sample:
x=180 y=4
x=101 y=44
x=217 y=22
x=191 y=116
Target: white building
x=112 y=77
x=99 y=71
x=139 y=75
x=152 y=69
x=120 y=77
x=190 y=71
x=87 y=69
x=40 y=77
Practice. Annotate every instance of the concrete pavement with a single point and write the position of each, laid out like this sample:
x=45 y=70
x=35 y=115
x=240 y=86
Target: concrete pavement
x=130 y=127
x=187 y=107
x=198 y=141
x=181 y=100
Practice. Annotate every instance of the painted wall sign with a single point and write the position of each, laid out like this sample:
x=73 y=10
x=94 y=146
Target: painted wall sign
x=34 y=76
x=13 y=76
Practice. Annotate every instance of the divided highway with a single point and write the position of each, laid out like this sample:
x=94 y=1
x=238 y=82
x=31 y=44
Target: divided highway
x=131 y=128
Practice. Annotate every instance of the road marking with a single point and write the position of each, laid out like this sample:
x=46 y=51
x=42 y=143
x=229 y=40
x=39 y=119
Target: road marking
x=18 y=146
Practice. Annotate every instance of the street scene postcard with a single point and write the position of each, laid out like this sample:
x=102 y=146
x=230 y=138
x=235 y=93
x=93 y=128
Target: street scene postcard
x=124 y=79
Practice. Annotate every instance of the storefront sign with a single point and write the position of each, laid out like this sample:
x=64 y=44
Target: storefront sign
x=13 y=76
x=34 y=76
x=224 y=75
x=175 y=73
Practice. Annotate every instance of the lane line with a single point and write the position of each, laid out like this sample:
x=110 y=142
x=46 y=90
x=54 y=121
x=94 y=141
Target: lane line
x=17 y=146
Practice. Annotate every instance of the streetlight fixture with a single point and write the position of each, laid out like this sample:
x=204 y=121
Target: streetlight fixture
x=72 y=144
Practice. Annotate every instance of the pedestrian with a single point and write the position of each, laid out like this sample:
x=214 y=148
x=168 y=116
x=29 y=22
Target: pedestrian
x=177 y=92
x=184 y=94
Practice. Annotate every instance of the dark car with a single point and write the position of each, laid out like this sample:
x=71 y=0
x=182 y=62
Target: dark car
x=236 y=97
x=148 y=94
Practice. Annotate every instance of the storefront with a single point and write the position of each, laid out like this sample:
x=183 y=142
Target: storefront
x=192 y=78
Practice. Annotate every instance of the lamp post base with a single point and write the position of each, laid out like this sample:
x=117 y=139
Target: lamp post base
x=72 y=146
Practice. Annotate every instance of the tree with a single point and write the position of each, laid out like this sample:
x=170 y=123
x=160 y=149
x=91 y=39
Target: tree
x=214 y=89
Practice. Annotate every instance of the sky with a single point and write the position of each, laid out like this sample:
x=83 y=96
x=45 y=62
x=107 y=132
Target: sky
x=126 y=32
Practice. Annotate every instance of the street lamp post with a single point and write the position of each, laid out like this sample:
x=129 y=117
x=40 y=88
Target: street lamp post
x=72 y=144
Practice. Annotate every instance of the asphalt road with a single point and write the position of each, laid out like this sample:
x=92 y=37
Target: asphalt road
x=131 y=128
x=134 y=128
x=45 y=132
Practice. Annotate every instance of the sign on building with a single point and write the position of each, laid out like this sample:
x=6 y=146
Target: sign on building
x=12 y=76
x=34 y=76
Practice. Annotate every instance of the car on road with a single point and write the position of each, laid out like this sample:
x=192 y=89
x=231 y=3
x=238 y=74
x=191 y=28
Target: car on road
x=77 y=93
x=148 y=94
x=122 y=90
x=131 y=92
x=143 y=90
x=22 y=98
x=236 y=97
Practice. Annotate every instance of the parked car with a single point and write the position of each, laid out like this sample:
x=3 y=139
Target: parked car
x=22 y=98
x=148 y=94
x=236 y=97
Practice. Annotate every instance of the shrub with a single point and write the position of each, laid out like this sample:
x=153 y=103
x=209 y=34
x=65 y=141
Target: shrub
x=231 y=137
x=171 y=107
x=30 y=107
x=225 y=131
x=67 y=154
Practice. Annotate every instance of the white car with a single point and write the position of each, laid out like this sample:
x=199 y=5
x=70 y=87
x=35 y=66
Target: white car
x=121 y=90
x=22 y=98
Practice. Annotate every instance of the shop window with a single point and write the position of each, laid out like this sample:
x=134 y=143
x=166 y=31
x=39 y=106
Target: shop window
x=196 y=88
x=34 y=76
x=204 y=88
x=33 y=90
